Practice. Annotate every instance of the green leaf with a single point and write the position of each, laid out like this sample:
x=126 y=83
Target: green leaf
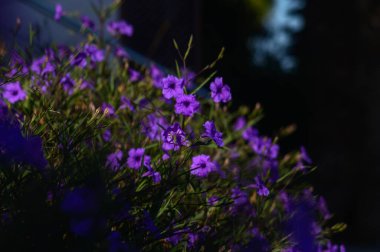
x=189 y=46
x=204 y=83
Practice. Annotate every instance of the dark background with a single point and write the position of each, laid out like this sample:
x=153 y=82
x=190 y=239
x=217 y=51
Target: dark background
x=333 y=95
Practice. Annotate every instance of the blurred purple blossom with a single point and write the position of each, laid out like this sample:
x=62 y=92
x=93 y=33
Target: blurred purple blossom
x=58 y=12
x=126 y=103
x=211 y=132
x=135 y=158
x=202 y=165
x=120 y=28
x=13 y=92
x=87 y=22
x=113 y=160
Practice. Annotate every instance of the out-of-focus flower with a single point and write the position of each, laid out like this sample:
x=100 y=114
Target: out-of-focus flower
x=264 y=146
x=202 y=165
x=68 y=84
x=58 y=12
x=113 y=160
x=156 y=176
x=238 y=196
x=79 y=60
x=250 y=133
x=107 y=135
x=120 y=28
x=157 y=76
x=126 y=103
x=134 y=75
x=42 y=66
x=211 y=132
x=82 y=206
x=96 y=54
x=261 y=189
x=220 y=92
x=135 y=158
x=121 y=52
x=240 y=123
x=152 y=126
x=109 y=108
x=13 y=92
x=87 y=22
x=16 y=148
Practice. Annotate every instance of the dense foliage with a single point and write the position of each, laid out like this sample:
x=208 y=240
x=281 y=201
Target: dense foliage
x=99 y=153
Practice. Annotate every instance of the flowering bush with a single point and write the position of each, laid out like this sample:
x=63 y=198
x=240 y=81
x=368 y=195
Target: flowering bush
x=99 y=153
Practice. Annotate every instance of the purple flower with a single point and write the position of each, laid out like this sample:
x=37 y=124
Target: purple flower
x=79 y=60
x=120 y=28
x=87 y=22
x=156 y=176
x=135 y=158
x=211 y=132
x=240 y=123
x=174 y=137
x=42 y=66
x=96 y=54
x=68 y=84
x=86 y=84
x=134 y=75
x=58 y=12
x=264 y=146
x=107 y=135
x=250 y=133
x=113 y=160
x=220 y=92
x=262 y=190
x=121 y=53
x=13 y=92
x=186 y=105
x=157 y=76
x=126 y=103
x=202 y=165
x=152 y=126
x=110 y=109
x=193 y=239
x=172 y=87
x=239 y=197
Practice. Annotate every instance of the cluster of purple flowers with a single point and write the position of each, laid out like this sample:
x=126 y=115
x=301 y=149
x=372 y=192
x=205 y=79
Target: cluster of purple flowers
x=151 y=162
